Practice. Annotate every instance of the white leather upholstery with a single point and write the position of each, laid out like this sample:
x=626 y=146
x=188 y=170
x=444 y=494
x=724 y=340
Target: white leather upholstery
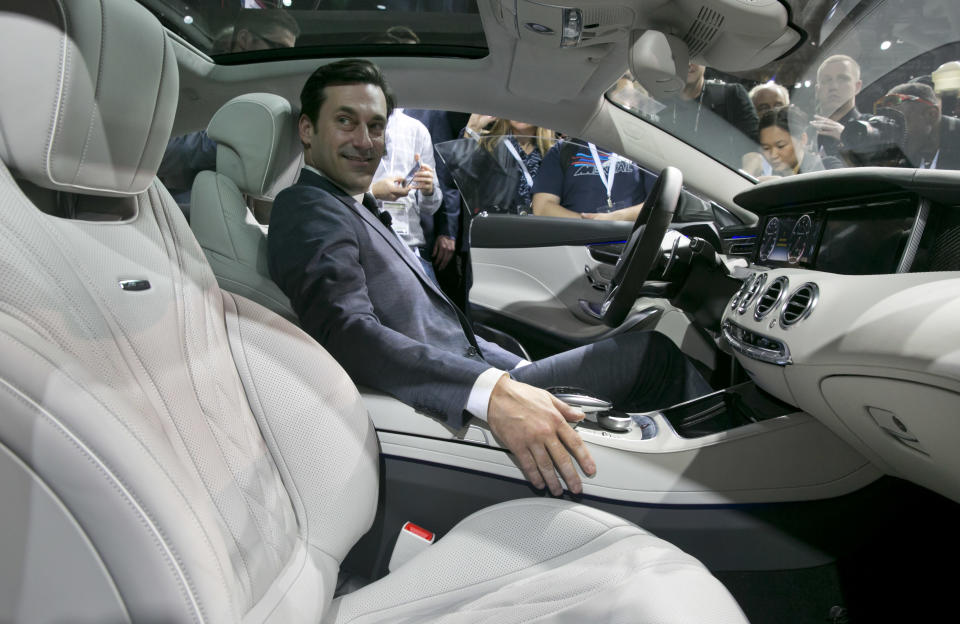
x=256 y=145
x=543 y=560
x=64 y=135
x=180 y=454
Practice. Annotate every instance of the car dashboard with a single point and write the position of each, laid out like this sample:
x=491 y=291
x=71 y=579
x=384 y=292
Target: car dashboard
x=848 y=311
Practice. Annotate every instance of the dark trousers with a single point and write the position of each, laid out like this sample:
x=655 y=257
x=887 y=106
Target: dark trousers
x=636 y=371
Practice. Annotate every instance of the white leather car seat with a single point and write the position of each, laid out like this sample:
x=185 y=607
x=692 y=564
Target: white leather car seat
x=258 y=154
x=172 y=452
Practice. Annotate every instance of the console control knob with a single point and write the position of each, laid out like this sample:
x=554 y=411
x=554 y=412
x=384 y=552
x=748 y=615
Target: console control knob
x=613 y=420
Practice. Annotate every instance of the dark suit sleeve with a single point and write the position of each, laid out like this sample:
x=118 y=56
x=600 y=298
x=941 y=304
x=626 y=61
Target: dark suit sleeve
x=314 y=248
x=741 y=112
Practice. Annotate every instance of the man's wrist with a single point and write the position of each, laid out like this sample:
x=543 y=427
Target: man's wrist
x=479 y=400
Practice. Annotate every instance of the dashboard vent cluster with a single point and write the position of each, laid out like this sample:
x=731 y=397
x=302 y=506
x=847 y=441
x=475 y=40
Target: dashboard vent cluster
x=770 y=297
x=799 y=304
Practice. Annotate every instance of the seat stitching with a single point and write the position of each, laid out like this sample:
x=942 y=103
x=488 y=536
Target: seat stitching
x=495 y=578
x=206 y=286
x=266 y=425
x=173 y=560
x=96 y=94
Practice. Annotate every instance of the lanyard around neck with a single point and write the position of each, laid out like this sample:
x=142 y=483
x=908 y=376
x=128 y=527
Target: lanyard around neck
x=516 y=156
x=611 y=171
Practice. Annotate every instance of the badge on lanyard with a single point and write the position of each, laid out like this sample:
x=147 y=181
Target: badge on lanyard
x=398 y=212
x=607 y=179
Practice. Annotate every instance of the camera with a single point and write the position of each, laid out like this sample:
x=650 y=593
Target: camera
x=876 y=141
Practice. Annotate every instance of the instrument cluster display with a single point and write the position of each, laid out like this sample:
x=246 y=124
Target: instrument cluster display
x=852 y=240
x=789 y=239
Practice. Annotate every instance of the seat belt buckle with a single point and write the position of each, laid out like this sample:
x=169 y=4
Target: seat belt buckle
x=412 y=540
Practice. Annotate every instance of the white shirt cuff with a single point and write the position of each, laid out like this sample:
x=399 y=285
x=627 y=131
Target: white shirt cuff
x=479 y=398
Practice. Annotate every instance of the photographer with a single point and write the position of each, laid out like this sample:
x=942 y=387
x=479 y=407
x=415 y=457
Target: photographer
x=931 y=140
x=838 y=83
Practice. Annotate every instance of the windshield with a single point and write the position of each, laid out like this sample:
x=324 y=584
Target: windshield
x=876 y=83
x=256 y=30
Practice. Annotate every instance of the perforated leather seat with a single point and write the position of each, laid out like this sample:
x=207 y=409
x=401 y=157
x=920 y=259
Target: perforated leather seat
x=172 y=452
x=258 y=154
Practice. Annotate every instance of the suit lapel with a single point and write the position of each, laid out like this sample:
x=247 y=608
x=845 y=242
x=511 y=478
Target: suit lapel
x=311 y=178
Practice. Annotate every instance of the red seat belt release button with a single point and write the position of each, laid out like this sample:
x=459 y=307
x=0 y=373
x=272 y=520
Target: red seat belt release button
x=412 y=540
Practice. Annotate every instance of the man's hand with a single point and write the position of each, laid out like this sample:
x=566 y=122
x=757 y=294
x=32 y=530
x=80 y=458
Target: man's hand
x=624 y=214
x=389 y=189
x=532 y=423
x=827 y=127
x=479 y=122
x=443 y=251
x=423 y=178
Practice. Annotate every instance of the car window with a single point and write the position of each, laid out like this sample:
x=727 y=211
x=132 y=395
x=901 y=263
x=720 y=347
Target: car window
x=528 y=175
x=876 y=83
x=233 y=32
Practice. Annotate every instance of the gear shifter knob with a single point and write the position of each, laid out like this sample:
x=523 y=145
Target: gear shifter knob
x=580 y=399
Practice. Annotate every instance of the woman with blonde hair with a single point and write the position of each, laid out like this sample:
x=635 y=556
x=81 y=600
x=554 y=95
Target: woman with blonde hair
x=511 y=154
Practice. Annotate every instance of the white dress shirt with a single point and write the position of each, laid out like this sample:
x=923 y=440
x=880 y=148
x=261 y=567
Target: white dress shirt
x=405 y=137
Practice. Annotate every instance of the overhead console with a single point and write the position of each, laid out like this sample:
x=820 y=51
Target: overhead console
x=729 y=35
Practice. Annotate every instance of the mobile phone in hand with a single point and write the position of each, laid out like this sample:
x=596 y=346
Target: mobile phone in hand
x=413 y=171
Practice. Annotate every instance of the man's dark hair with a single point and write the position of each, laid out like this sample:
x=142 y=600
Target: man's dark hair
x=917 y=89
x=789 y=118
x=346 y=72
x=263 y=21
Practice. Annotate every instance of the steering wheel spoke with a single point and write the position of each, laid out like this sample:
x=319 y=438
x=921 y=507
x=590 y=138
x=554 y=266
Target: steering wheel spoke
x=642 y=250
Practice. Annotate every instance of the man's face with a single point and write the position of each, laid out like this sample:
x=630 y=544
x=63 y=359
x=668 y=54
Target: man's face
x=838 y=83
x=277 y=37
x=767 y=99
x=348 y=140
x=920 y=119
x=694 y=73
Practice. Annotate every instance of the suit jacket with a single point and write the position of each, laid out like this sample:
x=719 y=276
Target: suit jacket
x=364 y=296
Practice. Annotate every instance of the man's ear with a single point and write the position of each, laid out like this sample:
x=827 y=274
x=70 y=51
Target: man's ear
x=242 y=40
x=858 y=87
x=305 y=127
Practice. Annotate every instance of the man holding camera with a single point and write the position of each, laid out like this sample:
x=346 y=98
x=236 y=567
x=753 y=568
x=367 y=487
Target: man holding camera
x=931 y=140
x=838 y=83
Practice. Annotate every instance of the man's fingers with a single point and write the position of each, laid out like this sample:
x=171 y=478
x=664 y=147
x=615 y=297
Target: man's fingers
x=561 y=459
x=545 y=466
x=569 y=413
x=575 y=444
x=528 y=465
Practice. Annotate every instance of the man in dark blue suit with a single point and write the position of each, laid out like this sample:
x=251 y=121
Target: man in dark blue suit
x=362 y=293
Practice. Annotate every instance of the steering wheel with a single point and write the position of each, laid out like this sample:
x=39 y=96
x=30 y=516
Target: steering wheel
x=641 y=251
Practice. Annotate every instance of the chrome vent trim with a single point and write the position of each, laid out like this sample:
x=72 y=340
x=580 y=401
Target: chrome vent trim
x=702 y=31
x=751 y=292
x=771 y=297
x=743 y=288
x=799 y=304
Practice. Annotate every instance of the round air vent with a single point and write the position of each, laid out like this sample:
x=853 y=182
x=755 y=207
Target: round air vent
x=751 y=292
x=770 y=298
x=799 y=305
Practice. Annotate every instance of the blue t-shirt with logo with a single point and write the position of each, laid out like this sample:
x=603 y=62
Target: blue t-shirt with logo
x=569 y=171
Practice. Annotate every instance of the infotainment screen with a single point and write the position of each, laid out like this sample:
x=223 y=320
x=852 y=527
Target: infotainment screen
x=867 y=239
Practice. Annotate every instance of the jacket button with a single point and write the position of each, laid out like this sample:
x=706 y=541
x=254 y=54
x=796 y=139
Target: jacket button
x=472 y=351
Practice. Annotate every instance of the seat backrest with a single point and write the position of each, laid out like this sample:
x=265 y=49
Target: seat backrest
x=257 y=147
x=168 y=452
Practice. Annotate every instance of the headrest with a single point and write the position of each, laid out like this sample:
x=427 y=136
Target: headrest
x=88 y=92
x=256 y=139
